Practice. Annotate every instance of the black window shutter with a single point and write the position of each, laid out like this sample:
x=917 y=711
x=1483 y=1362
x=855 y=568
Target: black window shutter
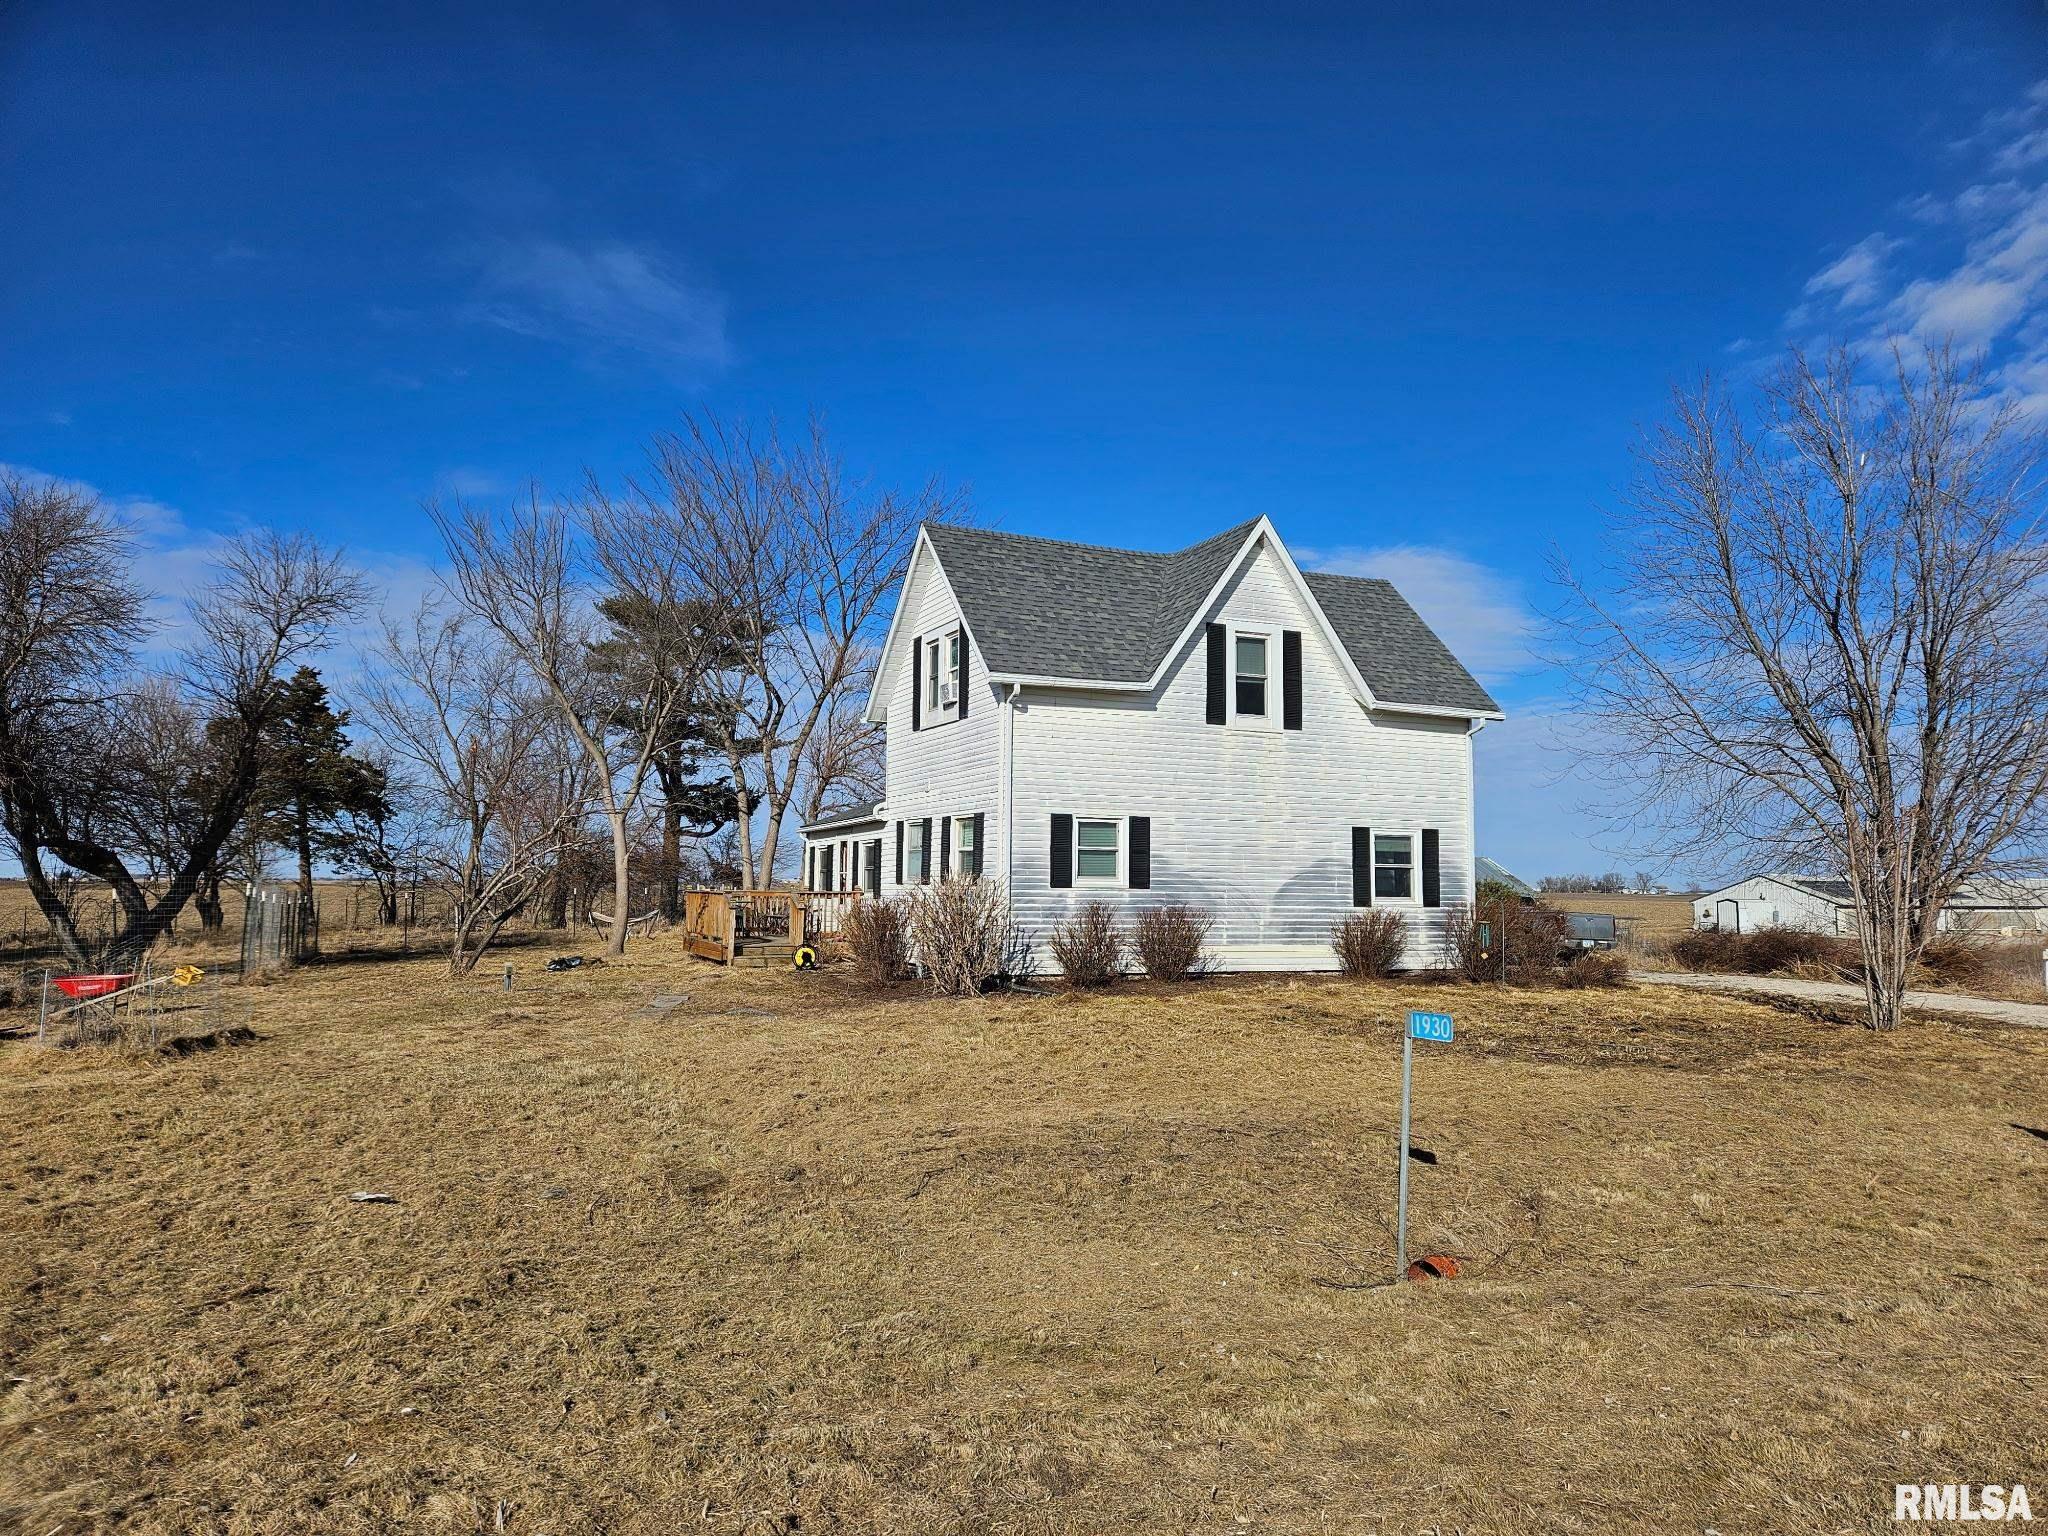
x=1062 y=851
x=1219 y=683
x=916 y=681
x=925 y=875
x=1290 y=679
x=1141 y=853
x=978 y=820
x=1432 y=871
x=899 y=853
x=945 y=847
x=961 y=634
x=875 y=866
x=1361 y=866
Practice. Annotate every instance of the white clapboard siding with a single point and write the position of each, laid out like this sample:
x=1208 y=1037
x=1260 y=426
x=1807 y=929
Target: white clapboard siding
x=1253 y=826
x=950 y=766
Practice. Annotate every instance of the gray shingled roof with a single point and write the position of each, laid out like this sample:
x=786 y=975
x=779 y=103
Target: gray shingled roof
x=1046 y=608
x=851 y=816
x=1485 y=869
x=1827 y=890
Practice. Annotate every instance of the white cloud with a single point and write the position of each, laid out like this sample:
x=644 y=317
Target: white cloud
x=1480 y=612
x=603 y=298
x=1982 y=262
x=1854 y=276
x=466 y=482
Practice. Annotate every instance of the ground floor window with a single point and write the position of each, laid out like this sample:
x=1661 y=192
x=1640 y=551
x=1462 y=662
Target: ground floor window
x=914 y=852
x=1097 y=847
x=966 y=856
x=1393 y=866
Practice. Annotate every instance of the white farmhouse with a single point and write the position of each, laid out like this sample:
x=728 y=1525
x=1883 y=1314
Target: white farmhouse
x=1214 y=727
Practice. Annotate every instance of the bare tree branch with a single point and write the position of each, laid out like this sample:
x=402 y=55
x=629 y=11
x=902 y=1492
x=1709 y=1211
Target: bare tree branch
x=1825 y=644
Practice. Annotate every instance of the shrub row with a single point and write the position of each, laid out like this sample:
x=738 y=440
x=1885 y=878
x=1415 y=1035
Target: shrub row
x=964 y=936
x=1949 y=960
x=1765 y=951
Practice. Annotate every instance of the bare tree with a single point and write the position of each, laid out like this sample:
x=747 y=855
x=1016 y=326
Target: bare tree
x=843 y=763
x=804 y=558
x=531 y=576
x=70 y=622
x=1828 y=647
x=493 y=771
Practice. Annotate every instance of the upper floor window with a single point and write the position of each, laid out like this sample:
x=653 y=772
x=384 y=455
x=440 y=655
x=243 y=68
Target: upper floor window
x=942 y=673
x=1251 y=675
x=1393 y=866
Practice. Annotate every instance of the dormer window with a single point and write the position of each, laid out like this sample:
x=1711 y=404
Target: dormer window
x=942 y=673
x=1251 y=676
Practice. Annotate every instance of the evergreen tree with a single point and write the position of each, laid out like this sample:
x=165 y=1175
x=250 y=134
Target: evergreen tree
x=313 y=790
x=688 y=800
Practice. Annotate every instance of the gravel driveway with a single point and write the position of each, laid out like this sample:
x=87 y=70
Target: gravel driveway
x=2033 y=1015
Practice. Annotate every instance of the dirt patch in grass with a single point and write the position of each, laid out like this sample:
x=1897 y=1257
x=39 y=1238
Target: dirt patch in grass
x=788 y=1257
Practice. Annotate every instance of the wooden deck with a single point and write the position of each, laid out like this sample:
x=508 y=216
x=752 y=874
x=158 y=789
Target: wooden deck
x=761 y=928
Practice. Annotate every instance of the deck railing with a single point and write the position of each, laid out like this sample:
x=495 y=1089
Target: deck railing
x=718 y=924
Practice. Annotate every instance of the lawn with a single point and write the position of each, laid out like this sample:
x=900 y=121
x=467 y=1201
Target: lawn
x=792 y=1258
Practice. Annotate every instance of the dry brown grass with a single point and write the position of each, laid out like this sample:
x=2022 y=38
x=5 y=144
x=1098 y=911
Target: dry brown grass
x=793 y=1257
x=1653 y=918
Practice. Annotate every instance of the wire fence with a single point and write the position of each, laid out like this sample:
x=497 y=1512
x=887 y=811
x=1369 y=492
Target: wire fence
x=151 y=1008
x=280 y=927
x=341 y=907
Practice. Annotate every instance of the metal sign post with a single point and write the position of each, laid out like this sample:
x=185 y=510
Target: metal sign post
x=1421 y=1026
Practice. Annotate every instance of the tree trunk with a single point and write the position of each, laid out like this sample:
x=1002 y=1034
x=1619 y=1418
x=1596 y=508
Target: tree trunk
x=56 y=911
x=302 y=830
x=671 y=860
x=461 y=959
x=207 y=899
x=615 y=945
x=1886 y=931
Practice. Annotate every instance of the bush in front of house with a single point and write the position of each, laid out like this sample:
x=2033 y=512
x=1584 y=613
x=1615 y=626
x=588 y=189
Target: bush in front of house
x=876 y=933
x=1089 y=947
x=1594 y=968
x=1370 y=943
x=965 y=936
x=1170 y=940
x=1520 y=942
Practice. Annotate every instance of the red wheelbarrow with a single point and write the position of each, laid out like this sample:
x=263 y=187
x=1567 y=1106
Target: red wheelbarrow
x=86 y=988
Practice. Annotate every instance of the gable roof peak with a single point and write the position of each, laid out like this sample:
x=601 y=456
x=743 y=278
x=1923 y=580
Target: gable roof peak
x=1055 y=609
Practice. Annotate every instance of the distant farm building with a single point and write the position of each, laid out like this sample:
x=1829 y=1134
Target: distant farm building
x=1815 y=904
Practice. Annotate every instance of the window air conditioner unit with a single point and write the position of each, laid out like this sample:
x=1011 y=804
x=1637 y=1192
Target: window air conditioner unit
x=949 y=695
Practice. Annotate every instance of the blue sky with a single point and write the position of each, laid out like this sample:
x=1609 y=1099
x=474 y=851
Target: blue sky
x=1406 y=281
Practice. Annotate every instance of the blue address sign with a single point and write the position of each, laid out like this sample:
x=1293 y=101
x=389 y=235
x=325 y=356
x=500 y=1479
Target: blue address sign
x=1429 y=1026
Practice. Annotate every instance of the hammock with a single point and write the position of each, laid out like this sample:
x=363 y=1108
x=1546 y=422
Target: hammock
x=643 y=921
